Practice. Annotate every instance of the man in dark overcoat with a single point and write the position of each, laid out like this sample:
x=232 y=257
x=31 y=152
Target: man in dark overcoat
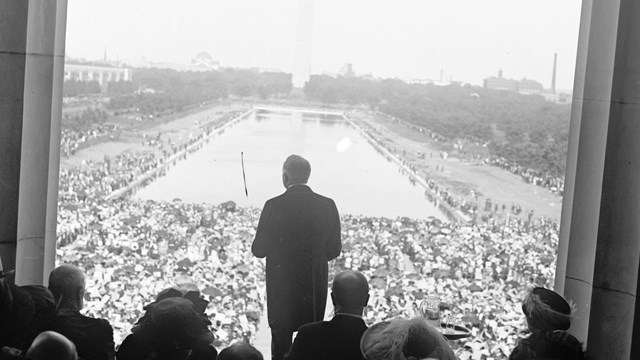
x=338 y=339
x=298 y=233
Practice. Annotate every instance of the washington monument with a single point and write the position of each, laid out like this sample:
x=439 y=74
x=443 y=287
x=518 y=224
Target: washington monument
x=302 y=51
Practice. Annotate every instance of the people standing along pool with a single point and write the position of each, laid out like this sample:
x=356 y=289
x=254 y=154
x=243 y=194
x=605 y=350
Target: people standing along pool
x=298 y=233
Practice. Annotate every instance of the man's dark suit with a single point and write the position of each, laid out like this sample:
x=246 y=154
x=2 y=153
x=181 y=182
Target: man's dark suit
x=93 y=337
x=338 y=339
x=298 y=233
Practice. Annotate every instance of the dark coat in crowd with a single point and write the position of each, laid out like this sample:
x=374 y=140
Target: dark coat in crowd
x=553 y=345
x=298 y=233
x=93 y=337
x=171 y=329
x=338 y=339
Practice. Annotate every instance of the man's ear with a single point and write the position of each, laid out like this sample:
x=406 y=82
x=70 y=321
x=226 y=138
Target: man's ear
x=333 y=300
x=366 y=301
x=80 y=297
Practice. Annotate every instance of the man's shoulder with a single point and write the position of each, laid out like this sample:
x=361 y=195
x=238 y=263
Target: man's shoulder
x=334 y=324
x=86 y=323
x=314 y=327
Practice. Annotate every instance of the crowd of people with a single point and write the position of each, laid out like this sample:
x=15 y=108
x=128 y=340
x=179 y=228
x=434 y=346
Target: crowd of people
x=539 y=178
x=73 y=140
x=132 y=249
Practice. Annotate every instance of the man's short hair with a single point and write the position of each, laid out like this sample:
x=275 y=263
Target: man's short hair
x=51 y=345
x=350 y=289
x=240 y=351
x=65 y=280
x=297 y=168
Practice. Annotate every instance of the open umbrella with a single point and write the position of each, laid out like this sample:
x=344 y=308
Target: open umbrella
x=382 y=272
x=212 y=291
x=378 y=283
x=245 y=269
x=442 y=273
x=252 y=315
x=185 y=263
x=512 y=283
x=414 y=276
x=471 y=318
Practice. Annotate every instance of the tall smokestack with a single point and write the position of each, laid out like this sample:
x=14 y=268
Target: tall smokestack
x=553 y=76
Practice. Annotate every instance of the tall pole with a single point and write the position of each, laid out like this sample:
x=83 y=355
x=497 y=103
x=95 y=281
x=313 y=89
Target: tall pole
x=553 y=76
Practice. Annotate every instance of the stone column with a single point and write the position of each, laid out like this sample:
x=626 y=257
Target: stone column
x=572 y=149
x=602 y=254
x=593 y=108
x=51 y=222
x=615 y=279
x=13 y=41
x=31 y=65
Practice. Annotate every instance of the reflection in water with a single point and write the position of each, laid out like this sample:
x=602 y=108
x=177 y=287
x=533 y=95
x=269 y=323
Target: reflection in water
x=344 y=167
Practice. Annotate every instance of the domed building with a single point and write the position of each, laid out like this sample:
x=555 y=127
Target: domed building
x=204 y=62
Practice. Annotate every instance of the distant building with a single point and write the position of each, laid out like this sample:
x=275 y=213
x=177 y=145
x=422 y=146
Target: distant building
x=500 y=83
x=203 y=62
x=524 y=86
x=347 y=70
x=558 y=98
x=103 y=73
x=530 y=87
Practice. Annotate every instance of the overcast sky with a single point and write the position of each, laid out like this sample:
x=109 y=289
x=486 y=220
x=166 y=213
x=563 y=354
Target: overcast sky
x=467 y=40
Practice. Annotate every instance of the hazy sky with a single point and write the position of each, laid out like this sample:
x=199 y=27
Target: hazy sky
x=467 y=40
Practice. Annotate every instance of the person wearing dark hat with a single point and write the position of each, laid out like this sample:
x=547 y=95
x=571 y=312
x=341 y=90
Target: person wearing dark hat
x=240 y=351
x=298 y=233
x=92 y=337
x=173 y=327
x=405 y=339
x=45 y=311
x=339 y=338
x=49 y=345
x=548 y=317
x=17 y=310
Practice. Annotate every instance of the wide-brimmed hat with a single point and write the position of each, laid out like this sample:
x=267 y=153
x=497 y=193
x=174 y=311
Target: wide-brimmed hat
x=174 y=321
x=403 y=338
x=546 y=310
x=16 y=313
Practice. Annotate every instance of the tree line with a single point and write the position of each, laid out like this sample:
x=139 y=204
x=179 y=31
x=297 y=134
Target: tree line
x=161 y=90
x=525 y=129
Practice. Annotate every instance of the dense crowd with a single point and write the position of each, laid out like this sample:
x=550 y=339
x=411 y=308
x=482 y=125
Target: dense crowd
x=73 y=140
x=146 y=246
x=132 y=249
x=143 y=247
x=539 y=178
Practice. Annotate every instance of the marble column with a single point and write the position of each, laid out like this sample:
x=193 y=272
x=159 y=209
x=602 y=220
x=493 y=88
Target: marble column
x=615 y=280
x=32 y=37
x=572 y=148
x=13 y=42
x=599 y=253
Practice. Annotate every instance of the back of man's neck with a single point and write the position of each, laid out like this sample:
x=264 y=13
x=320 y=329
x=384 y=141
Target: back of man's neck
x=354 y=313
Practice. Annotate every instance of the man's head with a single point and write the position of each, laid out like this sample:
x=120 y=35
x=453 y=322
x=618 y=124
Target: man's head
x=66 y=282
x=350 y=292
x=240 y=351
x=296 y=170
x=50 y=345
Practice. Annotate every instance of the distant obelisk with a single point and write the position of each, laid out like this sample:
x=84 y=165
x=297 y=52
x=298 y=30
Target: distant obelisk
x=302 y=51
x=553 y=76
